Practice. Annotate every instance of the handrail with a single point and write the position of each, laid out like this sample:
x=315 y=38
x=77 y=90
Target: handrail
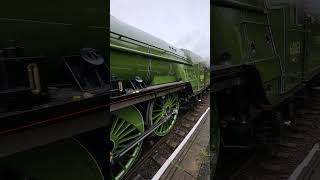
x=120 y=35
x=112 y=46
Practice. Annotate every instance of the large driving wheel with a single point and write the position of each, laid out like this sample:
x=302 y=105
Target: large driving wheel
x=162 y=107
x=127 y=125
x=63 y=160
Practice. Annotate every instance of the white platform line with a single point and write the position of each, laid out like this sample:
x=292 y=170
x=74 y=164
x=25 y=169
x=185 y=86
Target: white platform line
x=178 y=149
x=307 y=160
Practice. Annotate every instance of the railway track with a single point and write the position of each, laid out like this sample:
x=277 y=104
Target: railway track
x=157 y=150
x=290 y=148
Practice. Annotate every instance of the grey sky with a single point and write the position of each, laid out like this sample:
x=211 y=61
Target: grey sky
x=183 y=23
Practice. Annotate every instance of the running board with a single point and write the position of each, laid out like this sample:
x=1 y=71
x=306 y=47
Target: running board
x=146 y=94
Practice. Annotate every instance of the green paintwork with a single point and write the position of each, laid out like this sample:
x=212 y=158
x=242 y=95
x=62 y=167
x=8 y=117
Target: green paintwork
x=289 y=39
x=294 y=57
x=243 y=37
x=136 y=53
x=159 y=109
x=127 y=125
x=206 y=75
x=311 y=62
x=277 y=40
x=200 y=71
x=53 y=29
x=62 y=160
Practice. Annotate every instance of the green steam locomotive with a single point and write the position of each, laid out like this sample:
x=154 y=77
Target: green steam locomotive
x=56 y=88
x=264 y=55
x=166 y=77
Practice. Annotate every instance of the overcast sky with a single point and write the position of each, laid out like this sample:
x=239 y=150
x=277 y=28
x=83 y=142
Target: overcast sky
x=183 y=23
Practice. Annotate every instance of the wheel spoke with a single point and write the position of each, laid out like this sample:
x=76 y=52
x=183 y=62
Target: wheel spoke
x=157 y=110
x=156 y=116
x=166 y=125
x=119 y=126
x=114 y=124
x=129 y=155
x=161 y=128
x=121 y=146
x=169 y=103
x=128 y=124
x=128 y=138
x=158 y=120
x=122 y=130
x=127 y=132
x=120 y=164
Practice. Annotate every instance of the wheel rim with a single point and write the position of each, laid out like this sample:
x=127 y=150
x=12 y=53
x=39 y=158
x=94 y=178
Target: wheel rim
x=160 y=108
x=63 y=160
x=127 y=125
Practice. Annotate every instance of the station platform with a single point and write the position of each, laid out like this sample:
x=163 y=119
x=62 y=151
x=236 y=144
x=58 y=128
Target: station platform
x=309 y=168
x=192 y=161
